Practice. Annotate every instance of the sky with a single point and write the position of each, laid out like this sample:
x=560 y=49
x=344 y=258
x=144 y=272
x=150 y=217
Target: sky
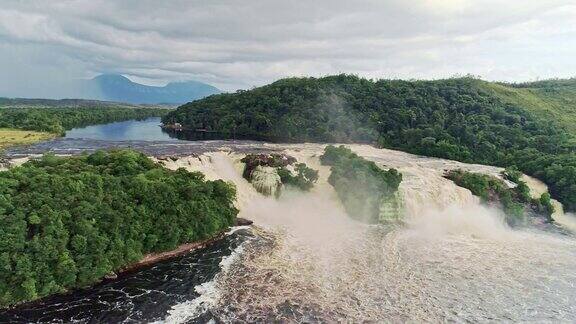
x=235 y=44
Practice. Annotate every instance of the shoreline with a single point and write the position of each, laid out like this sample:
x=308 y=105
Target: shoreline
x=183 y=249
x=147 y=260
x=156 y=257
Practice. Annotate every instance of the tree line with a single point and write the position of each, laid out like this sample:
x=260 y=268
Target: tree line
x=456 y=119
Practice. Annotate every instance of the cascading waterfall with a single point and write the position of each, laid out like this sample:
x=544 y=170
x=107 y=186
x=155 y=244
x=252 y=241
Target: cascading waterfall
x=266 y=180
x=392 y=209
x=453 y=259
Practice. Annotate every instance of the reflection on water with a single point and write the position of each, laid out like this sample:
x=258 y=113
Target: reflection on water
x=149 y=130
x=190 y=135
x=131 y=130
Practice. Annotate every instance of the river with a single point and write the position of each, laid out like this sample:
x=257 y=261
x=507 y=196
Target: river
x=132 y=130
x=305 y=260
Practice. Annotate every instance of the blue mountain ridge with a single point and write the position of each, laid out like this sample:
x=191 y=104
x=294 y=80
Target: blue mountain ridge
x=115 y=87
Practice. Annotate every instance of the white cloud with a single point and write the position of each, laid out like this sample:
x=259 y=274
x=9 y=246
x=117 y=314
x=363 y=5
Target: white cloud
x=239 y=44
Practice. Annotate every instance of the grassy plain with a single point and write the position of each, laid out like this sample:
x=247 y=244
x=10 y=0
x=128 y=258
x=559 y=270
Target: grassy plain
x=10 y=137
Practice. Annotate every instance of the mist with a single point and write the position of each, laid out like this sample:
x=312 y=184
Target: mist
x=448 y=246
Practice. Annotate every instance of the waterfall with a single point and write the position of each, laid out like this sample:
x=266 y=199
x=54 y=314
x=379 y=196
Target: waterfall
x=314 y=260
x=266 y=180
x=392 y=209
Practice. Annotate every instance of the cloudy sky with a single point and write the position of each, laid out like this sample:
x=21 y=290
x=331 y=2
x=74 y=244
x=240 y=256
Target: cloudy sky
x=241 y=44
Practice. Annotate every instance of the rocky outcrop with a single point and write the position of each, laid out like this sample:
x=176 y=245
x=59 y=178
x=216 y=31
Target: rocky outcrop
x=243 y=222
x=4 y=163
x=269 y=172
x=273 y=160
x=266 y=180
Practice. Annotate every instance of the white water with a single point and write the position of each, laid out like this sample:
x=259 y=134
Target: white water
x=453 y=260
x=266 y=180
x=208 y=292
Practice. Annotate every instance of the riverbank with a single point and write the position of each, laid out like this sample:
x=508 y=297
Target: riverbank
x=153 y=258
x=143 y=296
x=146 y=262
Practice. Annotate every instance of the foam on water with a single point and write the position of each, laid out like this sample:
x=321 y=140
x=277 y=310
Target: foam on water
x=209 y=294
x=453 y=259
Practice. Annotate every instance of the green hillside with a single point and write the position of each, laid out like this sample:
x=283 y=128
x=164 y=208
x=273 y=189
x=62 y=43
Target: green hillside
x=553 y=100
x=461 y=119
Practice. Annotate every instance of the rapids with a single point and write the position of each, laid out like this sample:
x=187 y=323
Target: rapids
x=452 y=259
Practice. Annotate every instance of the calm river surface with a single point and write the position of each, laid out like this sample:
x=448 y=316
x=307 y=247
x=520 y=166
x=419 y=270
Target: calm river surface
x=147 y=130
x=132 y=130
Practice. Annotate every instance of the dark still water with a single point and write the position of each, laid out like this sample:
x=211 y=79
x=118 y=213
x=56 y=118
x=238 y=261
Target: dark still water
x=147 y=295
x=132 y=130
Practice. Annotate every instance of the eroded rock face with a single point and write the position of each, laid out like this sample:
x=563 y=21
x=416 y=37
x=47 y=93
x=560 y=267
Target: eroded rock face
x=266 y=180
x=262 y=171
x=268 y=173
x=273 y=160
x=242 y=222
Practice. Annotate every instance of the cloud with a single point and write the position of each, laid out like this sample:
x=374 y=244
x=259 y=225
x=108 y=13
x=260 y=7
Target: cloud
x=239 y=44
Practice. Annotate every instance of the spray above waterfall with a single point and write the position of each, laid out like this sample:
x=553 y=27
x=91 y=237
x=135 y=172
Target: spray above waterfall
x=314 y=261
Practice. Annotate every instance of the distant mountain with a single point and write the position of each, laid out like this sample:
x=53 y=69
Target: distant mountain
x=70 y=103
x=118 y=88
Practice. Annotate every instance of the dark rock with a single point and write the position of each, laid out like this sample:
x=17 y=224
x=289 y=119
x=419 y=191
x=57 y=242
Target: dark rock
x=111 y=276
x=243 y=222
x=273 y=160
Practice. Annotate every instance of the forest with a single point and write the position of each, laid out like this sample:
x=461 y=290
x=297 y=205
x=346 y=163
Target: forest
x=516 y=202
x=462 y=119
x=58 y=120
x=69 y=221
x=362 y=186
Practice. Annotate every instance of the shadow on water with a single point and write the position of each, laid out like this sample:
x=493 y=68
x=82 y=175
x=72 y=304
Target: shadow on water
x=192 y=135
x=143 y=296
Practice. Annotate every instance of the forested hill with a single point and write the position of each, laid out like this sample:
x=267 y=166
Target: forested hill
x=549 y=99
x=462 y=119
